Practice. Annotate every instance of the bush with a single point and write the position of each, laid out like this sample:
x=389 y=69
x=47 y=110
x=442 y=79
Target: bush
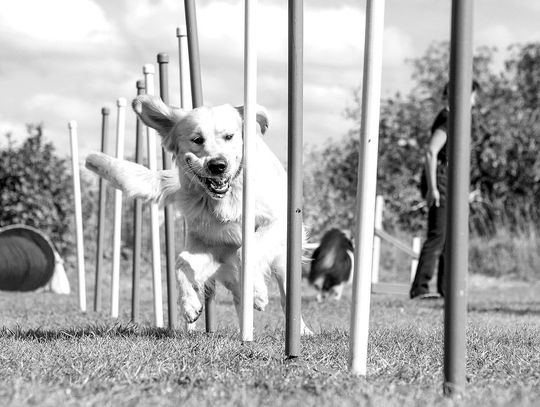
x=36 y=188
x=505 y=164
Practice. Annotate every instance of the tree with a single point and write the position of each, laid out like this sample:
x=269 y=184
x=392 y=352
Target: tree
x=505 y=164
x=35 y=188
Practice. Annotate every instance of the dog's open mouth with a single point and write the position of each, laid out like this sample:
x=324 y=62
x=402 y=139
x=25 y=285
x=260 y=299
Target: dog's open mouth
x=218 y=187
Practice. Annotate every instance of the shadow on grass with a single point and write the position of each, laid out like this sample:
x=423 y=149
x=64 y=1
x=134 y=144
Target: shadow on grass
x=117 y=330
x=508 y=308
x=520 y=309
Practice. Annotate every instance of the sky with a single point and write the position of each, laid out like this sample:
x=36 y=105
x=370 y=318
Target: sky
x=63 y=60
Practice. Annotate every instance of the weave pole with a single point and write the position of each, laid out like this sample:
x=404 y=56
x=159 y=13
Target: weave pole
x=197 y=100
x=72 y=125
x=366 y=188
x=101 y=213
x=185 y=93
x=193 y=50
x=183 y=69
x=117 y=215
x=137 y=220
x=148 y=71
x=163 y=61
x=248 y=197
x=185 y=103
x=455 y=308
x=294 y=178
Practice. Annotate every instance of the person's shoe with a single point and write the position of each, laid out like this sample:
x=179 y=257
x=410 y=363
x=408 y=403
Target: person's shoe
x=426 y=296
x=416 y=293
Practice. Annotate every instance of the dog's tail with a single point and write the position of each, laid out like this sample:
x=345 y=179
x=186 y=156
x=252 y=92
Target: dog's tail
x=135 y=180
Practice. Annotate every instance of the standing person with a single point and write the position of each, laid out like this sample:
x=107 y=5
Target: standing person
x=433 y=188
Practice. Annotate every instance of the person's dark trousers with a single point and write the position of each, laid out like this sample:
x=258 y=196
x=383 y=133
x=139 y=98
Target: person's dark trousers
x=433 y=248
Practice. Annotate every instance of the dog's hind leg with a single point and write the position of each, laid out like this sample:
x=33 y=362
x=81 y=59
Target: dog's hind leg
x=228 y=276
x=279 y=271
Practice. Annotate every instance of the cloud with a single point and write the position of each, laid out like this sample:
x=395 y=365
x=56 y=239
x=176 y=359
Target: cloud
x=397 y=46
x=498 y=35
x=55 y=104
x=65 y=59
x=72 y=66
x=49 y=25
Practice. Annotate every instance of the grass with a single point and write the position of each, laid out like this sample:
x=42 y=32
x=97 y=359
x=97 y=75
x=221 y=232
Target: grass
x=51 y=354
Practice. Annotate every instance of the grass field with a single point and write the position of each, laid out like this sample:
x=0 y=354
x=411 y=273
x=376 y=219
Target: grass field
x=52 y=355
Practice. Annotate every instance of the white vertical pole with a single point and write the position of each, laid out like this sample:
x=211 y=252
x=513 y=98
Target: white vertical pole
x=149 y=71
x=183 y=57
x=117 y=220
x=248 y=218
x=416 y=247
x=185 y=103
x=185 y=90
x=72 y=125
x=366 y=189
x=379 y=206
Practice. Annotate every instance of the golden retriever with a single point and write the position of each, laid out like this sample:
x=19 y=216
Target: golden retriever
x=207 y=148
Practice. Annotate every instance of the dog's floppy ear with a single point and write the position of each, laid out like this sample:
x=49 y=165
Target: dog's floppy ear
x=262 y=117
x=156 y=114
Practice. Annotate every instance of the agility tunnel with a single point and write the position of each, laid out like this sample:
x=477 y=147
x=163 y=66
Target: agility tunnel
x=29 y=261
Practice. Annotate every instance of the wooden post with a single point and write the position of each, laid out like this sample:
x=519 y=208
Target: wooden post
x=367 y=182
x=81 y=275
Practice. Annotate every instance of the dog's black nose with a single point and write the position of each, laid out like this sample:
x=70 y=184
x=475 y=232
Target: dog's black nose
x=217 y=166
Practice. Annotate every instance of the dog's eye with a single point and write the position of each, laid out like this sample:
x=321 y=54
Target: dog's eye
x=198 y=140
x=229 y=136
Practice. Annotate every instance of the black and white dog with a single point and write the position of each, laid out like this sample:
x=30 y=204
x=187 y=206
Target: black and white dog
x=332 y=265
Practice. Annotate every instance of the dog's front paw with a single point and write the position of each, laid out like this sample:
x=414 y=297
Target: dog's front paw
x=305 y=331
x=192 y=312
x=260 y=302
x=260 y=295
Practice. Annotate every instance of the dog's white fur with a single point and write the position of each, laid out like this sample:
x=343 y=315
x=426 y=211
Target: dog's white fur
x=210 y=200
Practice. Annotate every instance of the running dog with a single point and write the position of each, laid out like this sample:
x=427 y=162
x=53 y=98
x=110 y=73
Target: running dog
x=207 y=148
x=332 y=265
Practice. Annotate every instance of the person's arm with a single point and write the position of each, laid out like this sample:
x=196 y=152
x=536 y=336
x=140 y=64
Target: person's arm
x=436 y=142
